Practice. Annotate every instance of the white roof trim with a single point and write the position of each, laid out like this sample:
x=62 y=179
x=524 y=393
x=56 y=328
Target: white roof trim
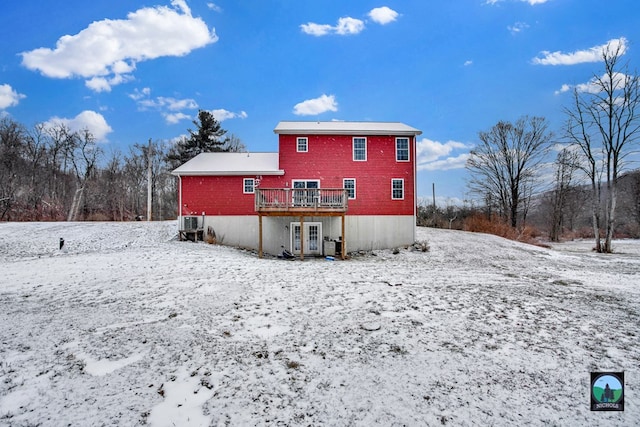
x=226 y=164
x=342 y=128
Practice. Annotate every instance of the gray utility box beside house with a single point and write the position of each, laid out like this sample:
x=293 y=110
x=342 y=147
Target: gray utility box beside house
x=329 y=247
x=190 y=230
x=190 y=223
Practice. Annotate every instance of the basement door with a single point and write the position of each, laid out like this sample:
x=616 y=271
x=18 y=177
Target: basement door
x=312 y=238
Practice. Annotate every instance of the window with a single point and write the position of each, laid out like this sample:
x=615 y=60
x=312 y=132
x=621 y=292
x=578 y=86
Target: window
x=305 y=192
x=402 y=149
x=360 y=149
x=349 y=184
x=302 y=145
x=397 y=189
x=249 y=186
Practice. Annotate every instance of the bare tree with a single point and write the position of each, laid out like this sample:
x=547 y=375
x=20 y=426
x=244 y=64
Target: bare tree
x=566 y=165
x=604 y=123
x=12 y=148
x=629 y=203
x=233 y=144
x=51 y=172
x=84 y=156
x=35 y=155
x=504 y=164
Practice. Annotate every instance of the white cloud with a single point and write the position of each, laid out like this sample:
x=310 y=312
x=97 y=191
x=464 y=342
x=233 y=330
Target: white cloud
x=449 y=163
x=94 y=122
x=172 y=109
x=168 y=106
x=517 y=27
x=173 y=118
x=222 y=115
x=174 y=104
x=593 y=86
x=383 y=15
x=467 y=63
x=214 y=7
x=140 y=94
x=102 y=84
x=219 y=114
x=9 y=97
x=316 y=29
x=163 y=103
x=593 y=54
x=316 y=106
x=107 y=51
x=349 y=26
x=564 y=88
x=434 y=155
x=345 y=26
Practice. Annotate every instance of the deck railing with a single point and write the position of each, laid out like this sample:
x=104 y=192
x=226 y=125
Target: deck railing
x=301 y=199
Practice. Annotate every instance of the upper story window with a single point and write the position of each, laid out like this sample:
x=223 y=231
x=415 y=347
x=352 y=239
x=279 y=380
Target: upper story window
x=360 y=149
x=349 y=184
x=249 y=186
x=397 y=189
x=402 y=149
x=302 y=145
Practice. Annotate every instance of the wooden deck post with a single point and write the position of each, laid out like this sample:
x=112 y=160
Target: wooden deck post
x=301 y=238
x=342 y=254
x=260 y=236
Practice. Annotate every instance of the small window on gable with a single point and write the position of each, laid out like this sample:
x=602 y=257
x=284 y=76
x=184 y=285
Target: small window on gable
x=302 y=145
x=360 y=149
x=349 y=184
x=397 y=189
x=402 y=149
x=249 y=186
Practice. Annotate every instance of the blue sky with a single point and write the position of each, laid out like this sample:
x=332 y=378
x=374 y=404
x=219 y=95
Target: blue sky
x=131 y=70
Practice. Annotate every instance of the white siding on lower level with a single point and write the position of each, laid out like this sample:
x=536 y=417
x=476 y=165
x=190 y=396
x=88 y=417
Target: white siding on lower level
x=362 y=232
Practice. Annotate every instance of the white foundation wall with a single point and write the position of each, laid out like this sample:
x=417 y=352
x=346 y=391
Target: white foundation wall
x=361 y=232
x=234 y=230
x=379 y=232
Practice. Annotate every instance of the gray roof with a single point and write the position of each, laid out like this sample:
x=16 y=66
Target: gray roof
x=342 y=128
x=231 y=164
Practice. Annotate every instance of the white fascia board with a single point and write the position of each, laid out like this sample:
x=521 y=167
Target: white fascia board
x=345 y=128
x=227 y=173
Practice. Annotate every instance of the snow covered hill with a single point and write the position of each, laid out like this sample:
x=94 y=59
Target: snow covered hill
x=128 y=326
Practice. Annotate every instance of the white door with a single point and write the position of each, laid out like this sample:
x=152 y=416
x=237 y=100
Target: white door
x=311 y=237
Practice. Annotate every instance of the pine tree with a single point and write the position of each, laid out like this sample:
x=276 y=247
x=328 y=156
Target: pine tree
x=207 y=138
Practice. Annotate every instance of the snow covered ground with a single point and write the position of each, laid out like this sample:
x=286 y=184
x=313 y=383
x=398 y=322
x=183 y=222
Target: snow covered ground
x=128 y=326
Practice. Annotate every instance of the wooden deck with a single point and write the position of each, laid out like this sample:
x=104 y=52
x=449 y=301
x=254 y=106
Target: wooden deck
x=301 y=201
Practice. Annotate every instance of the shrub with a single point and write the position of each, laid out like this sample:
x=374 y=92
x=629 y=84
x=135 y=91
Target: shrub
x=481 y=224
x=211 y=236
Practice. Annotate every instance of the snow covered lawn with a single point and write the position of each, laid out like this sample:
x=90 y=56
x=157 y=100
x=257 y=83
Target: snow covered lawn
x=128 y=326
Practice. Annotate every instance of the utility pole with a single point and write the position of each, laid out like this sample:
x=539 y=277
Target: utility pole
x=149 y=184
x=433 y=190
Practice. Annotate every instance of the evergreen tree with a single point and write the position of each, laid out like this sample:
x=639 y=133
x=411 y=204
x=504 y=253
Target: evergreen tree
x=207 y=138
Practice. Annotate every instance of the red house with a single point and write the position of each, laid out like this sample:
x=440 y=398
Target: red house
x=331 y=187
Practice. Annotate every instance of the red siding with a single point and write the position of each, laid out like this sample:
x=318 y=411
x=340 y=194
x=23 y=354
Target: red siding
x=330 y=159
x=216 y=195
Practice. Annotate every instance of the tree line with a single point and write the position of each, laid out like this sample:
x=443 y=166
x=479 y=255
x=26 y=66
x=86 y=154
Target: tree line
x=594 y=153
x=50 y=172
